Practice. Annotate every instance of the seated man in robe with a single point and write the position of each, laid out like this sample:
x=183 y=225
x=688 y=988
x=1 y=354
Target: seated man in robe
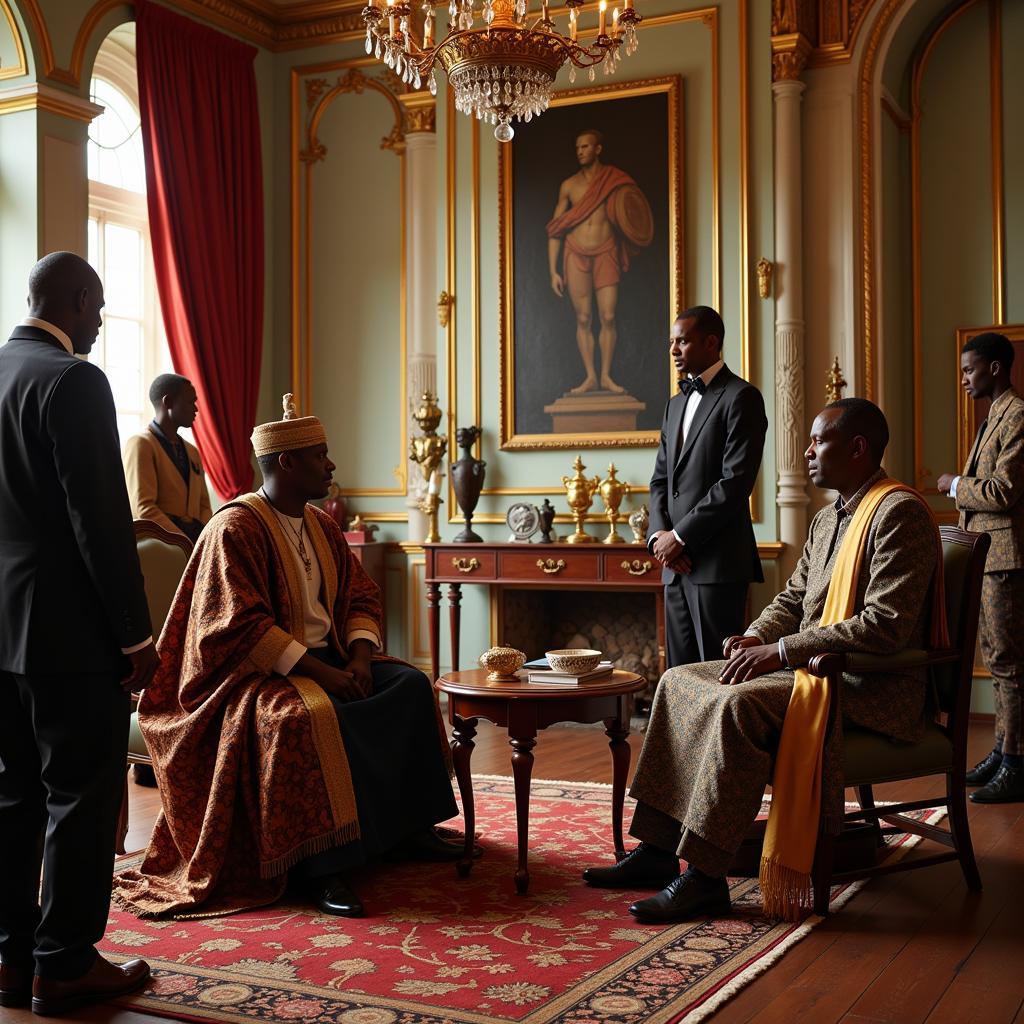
x=719 y=730
x=283 y=740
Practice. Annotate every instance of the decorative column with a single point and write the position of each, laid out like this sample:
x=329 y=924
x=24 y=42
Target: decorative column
x=421 y=275
x=43 y=136
x=789 y=56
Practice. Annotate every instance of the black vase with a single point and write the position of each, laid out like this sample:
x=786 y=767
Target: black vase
x=468 y=481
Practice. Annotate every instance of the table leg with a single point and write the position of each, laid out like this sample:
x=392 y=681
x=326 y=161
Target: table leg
x=462 y=750
x=455 y=620
x=522 y=769
x=434 y=628
x=617 y=729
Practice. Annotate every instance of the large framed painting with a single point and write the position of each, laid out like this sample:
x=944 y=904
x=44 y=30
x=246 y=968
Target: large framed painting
x=591 y=267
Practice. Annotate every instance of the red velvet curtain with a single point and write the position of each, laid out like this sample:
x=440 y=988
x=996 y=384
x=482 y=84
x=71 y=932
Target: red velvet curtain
x=201 y=134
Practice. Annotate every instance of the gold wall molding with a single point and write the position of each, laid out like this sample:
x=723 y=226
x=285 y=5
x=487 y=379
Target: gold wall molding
x=306 y=151
x=19 y=68
x=40 y=96
x=790 y=53
x=420 y=110
x=995 y=47
x=865 y=108
x=919 y=67
x=829 y=28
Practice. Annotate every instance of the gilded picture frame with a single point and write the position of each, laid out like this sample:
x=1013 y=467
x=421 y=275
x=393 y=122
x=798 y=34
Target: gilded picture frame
x=635 y=129
x=968 y=416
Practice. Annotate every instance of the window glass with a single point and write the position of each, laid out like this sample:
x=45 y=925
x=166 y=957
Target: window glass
x=115 y=140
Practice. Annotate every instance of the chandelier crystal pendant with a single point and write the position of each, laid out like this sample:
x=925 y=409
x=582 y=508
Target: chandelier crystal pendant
x=504 y=68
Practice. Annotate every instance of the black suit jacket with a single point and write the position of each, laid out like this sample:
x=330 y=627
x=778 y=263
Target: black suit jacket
x=71 y=590
x=702 y=491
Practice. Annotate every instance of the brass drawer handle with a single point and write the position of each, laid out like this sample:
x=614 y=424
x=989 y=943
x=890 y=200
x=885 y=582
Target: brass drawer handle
x=549 y=565
x=465 y=564
x=637 y=568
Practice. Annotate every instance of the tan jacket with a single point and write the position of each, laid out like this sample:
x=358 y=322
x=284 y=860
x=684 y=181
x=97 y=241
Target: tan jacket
x=155 y=486
x=992 y=500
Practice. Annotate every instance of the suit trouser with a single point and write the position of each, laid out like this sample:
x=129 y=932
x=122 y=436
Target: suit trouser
x=699 y=617
x=63 y=743
x=1002 y=647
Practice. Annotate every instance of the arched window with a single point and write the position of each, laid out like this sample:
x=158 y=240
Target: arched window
x=131 y=347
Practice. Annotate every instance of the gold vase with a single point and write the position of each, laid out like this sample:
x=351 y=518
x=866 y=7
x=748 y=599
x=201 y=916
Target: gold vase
x=612 y=491
x=579 y=493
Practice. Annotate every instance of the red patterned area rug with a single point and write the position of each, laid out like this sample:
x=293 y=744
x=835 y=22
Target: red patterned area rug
x=438 y=949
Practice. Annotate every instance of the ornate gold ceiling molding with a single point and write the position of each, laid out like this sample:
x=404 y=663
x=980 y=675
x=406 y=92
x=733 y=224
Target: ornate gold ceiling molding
x=814 y=33
x=296 y=27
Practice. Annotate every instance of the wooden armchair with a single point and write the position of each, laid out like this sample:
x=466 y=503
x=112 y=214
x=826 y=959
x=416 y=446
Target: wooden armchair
x=163 y=556
x=870 y=759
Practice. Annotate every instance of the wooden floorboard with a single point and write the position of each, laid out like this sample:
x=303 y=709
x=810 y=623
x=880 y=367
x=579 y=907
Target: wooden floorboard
x=914 y=947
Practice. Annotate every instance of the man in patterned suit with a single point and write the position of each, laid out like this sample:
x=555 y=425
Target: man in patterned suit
x=990 y=496
x=710 y=747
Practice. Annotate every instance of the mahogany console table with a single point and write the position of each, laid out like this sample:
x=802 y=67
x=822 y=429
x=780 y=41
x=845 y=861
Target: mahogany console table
x=593 y=567
x=523 y=709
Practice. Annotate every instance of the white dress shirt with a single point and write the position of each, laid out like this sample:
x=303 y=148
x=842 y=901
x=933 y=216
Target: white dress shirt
x=692 y=401
x=316 y=620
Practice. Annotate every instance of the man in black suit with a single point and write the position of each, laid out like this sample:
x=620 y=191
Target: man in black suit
x=700 y=529
x=74 y=641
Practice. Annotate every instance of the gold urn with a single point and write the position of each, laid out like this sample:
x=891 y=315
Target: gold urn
x=612 y=491
x=579 y=494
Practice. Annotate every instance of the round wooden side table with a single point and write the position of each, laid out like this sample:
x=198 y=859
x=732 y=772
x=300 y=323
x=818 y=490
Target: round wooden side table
x=523 y=709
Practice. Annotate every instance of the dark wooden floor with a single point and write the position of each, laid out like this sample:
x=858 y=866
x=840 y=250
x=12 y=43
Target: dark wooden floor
x=916 y=947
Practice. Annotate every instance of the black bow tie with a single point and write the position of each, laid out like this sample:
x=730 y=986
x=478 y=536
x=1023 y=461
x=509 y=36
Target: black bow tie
x=692 y=384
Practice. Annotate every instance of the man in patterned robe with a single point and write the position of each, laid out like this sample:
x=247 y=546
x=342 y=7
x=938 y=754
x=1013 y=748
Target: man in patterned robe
x=283 y=740
x=714 y=730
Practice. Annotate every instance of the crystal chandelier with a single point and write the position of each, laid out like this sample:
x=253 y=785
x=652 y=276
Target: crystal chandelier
x=504 y=68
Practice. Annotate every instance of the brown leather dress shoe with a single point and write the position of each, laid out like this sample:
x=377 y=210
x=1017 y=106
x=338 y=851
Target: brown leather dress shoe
x=103 y=981
x=15 y=985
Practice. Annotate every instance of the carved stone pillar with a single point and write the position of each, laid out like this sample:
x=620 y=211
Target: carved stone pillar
x=421 y=275
x=790 y=436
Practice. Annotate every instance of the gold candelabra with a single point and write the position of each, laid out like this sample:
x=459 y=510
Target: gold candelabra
x=427 y=451
x=612 y=491
x=579 y=493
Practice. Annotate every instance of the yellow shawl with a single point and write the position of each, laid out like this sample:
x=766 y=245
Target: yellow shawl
x=792 y=830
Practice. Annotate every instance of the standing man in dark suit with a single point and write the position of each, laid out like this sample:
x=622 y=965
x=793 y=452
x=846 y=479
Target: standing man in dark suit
x=74 y=641
x=712 y=438
x=990 y=496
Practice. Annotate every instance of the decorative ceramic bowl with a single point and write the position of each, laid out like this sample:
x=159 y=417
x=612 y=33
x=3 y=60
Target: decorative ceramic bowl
x=573 y=660
x=502 y=663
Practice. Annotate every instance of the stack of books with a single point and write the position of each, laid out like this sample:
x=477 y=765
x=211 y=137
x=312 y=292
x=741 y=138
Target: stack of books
x=548 y=677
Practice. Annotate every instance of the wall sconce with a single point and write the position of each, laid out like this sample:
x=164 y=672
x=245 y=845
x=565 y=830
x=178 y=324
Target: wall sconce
x=764 y=270
x=444 y=308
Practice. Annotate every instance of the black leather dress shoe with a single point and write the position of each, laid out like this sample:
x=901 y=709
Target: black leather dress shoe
x=335 y=896
x=1006 y=787
x=644 y=867
x=428 y=845
x=103 y=981
x=985 y=770
x=685 y=898
x=15 y=985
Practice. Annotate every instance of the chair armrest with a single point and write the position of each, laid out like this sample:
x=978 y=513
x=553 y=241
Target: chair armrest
x=865 y=664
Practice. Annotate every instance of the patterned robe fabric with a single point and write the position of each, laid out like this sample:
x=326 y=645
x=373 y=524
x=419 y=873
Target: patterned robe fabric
x=990 y=497
x=251 y=766
x=709 y=749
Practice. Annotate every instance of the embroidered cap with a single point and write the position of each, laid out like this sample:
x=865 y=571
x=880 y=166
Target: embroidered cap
x=289 y=433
